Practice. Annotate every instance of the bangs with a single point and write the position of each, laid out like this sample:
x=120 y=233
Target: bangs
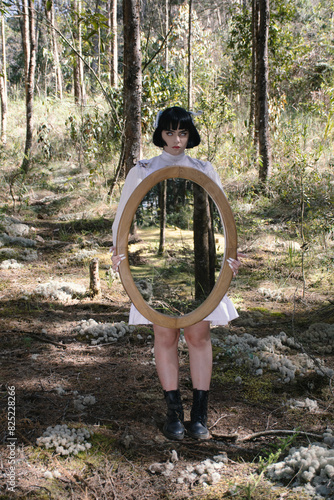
x=176 y=118
x=172 y=119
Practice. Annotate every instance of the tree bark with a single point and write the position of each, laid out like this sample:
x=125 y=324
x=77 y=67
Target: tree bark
x=203 y=251
x=113 y=48
x=253 y=70
x=3 y=84
x=50 y=16
x=166 y=34
x=162 y=215
x=132 y=83
x=29 y=48
x=262 y=90
x=94 y=281
x=78 y=71
x=190 y=70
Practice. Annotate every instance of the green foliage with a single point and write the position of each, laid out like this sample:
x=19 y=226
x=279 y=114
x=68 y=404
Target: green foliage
x=161 y=89
x=299 y=182
x=217 y=112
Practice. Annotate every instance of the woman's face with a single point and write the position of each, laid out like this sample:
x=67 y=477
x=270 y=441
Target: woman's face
x=176 y=140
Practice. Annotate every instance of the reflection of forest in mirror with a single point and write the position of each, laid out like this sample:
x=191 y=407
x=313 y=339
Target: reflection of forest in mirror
x=177 y=249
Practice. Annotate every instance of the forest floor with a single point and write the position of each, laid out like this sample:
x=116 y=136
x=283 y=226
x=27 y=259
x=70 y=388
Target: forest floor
x=44 y=360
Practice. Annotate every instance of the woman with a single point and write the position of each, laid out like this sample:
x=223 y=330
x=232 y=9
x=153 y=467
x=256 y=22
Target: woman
x=175 y=132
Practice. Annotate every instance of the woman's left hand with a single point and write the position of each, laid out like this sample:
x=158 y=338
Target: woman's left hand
x=116 y=259
x=235 y=263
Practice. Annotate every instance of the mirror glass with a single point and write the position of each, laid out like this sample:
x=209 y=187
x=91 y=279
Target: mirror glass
x=176 y=246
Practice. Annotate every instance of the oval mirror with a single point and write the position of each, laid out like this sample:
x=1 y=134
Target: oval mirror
x=188 y=302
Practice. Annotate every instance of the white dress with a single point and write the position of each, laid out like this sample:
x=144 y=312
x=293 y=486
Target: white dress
x=225 y=311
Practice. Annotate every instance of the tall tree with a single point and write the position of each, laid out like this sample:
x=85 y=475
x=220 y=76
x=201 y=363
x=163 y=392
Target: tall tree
x=29 y=50
x=78 y=70
x=132 y=83
x=113 y=47
x=50 y=15
x=3 y=82
x=262 y=118
x=190 y=69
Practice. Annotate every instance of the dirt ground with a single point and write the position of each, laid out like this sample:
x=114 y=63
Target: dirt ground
x=45 y=361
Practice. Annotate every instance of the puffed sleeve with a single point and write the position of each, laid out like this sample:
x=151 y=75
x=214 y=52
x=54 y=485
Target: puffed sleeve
x=133 y=179
x=213 y=174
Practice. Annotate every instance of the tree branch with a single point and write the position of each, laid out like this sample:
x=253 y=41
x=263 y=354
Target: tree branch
x=159 y=49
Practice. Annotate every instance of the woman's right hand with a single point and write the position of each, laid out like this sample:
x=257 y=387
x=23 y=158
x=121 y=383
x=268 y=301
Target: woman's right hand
x=116 y=259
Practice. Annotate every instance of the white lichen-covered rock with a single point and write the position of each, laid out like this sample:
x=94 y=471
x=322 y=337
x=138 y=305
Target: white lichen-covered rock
x=28 y=255
x=145 y=288
x=64 y=440
x=206 y=472
x=17 y=229
x=309 y=404
x=101 y=333
x=274 y=295
x=320 y=336
x=271 y=353
x=83 y=255
x=10 y=264
x=7 y=240
x=81 y=403
x=59 y=290
x=310 y=468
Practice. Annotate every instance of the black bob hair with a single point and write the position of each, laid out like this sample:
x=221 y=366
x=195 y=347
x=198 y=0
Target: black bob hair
x=173 y=118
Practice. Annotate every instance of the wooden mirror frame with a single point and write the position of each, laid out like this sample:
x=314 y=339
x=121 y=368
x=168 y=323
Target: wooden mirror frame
x=230 y=233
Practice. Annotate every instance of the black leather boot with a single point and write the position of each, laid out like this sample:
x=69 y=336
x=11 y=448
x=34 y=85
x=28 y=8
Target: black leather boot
x=173 y=427
x=199 y=415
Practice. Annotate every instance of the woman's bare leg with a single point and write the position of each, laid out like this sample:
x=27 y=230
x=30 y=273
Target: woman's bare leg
x=200 y=354
x=166 y=356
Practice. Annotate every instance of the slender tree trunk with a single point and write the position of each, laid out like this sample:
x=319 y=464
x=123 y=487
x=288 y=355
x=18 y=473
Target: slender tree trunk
x=262 y=90
x=190 y=70
x=253 y=81
x=80 y=60
x=162 y=215
x=50 y=15
x=132 y=83
x=3 y=84
x=56 y=57
x=78 y=72
x=204 y=269
x=112 y=25
x=29 y=47
x=166 y=33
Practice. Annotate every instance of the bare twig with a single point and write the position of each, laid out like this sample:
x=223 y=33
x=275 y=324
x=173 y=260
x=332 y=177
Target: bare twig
x=159 y=49
x=278 y=432
x=218 y=420
x=47 y=341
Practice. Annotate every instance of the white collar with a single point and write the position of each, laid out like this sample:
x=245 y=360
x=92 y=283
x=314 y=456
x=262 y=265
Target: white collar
x=172 y=159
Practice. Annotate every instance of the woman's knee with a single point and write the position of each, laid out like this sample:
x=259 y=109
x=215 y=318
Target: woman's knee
x=166 y=337
x=198 y=336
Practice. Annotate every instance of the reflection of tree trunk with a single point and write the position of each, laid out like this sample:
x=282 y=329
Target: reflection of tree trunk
x=204 y=269
x=212 y=245
x=163 y=215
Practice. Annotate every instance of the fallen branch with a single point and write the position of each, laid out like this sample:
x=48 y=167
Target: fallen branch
x=278 y=432
x=47 y=341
